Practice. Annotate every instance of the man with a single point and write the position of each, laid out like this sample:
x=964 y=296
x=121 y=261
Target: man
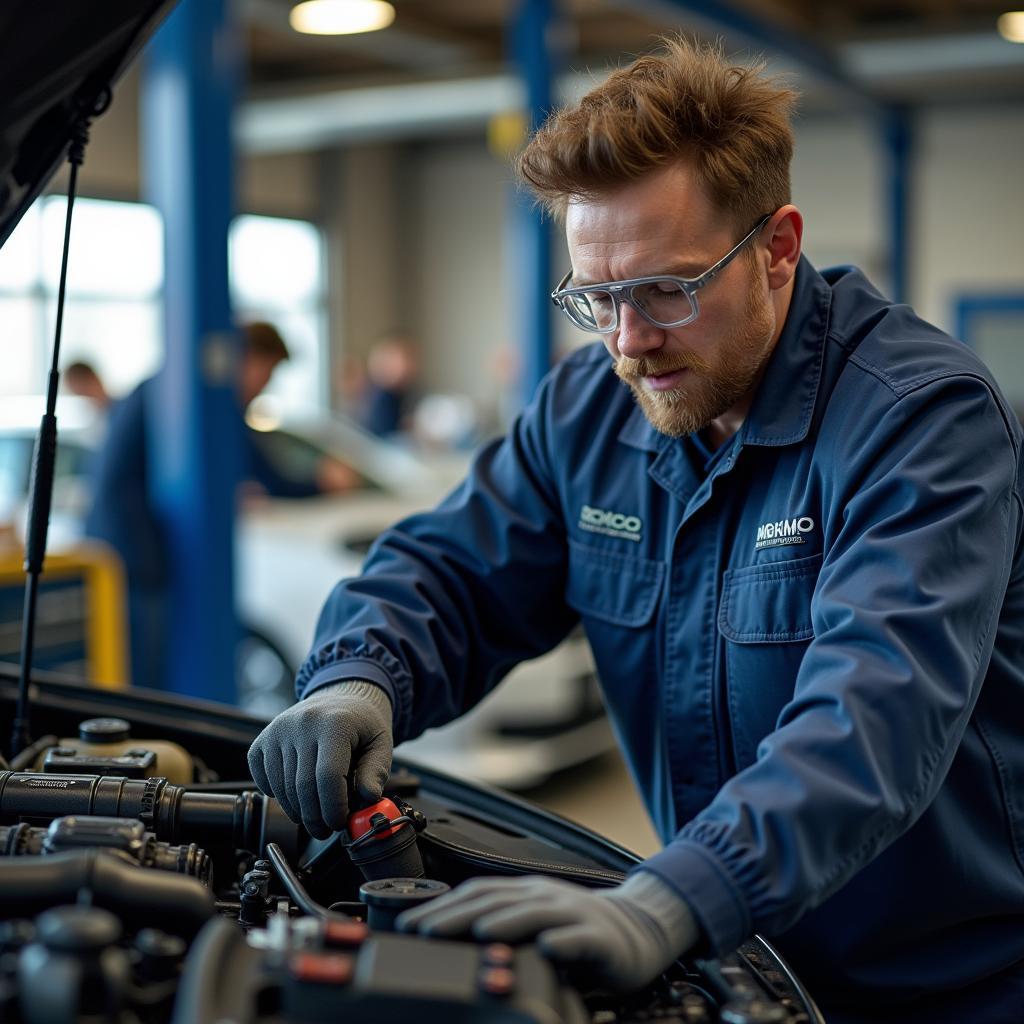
x=123 y=515
x=81 y=378
x=391 y=370
x=798 y=559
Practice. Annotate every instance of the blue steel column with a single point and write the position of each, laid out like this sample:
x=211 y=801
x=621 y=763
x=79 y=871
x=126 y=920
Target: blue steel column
x=194 y=427
x=531 y=282
x=898 y=133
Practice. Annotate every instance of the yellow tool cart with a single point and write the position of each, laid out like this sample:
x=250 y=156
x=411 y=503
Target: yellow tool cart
x=81 y=621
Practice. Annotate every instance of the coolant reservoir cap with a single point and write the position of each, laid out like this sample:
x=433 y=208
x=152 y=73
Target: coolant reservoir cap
x=366 y=820
x=401 y=893
x=104 y=730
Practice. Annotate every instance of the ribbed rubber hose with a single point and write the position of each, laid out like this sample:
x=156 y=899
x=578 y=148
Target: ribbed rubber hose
x=140 y=897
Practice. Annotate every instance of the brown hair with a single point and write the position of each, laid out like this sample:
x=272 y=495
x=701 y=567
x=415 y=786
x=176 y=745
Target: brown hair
x=684 y=102
x=263 y=339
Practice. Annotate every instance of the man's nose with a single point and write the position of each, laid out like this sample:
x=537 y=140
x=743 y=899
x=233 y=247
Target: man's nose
x=636 y=336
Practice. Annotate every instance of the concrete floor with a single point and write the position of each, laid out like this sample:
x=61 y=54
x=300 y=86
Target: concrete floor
x=601 y=796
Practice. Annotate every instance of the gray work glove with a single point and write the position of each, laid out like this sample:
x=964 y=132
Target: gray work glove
x=625 y=936
x=313 y=753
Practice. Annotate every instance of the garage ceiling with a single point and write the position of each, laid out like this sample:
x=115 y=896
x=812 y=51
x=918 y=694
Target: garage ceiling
x=456 y=35
x=907 y=51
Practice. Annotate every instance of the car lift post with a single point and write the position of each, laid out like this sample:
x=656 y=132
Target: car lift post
x=193 y=423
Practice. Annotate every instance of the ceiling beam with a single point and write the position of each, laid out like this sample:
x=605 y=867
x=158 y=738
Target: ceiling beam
x=718 y=17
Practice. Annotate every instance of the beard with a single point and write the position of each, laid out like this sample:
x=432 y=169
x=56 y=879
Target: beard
x=711 y=389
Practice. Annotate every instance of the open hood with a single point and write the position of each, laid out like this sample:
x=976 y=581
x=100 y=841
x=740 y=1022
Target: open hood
x=57 y=59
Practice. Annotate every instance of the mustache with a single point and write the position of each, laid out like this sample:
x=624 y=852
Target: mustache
x=628 y=369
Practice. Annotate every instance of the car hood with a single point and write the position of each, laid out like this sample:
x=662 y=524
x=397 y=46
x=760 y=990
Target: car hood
x=58 y=59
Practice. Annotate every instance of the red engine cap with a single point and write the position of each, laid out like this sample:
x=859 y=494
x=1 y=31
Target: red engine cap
x=360 y=822
x=322 y=968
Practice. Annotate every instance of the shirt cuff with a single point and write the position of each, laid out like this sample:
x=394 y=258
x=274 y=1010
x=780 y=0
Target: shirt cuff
x=352 y=668
x=700 y=879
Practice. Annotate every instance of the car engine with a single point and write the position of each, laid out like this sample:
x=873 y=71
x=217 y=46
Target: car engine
x=128 y=895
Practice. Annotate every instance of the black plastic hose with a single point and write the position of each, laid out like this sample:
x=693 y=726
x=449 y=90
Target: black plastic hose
x=140 y=897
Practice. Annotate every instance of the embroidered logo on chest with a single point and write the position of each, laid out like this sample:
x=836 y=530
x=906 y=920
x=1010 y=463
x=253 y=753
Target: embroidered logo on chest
x=612 y=524
x=783 y=531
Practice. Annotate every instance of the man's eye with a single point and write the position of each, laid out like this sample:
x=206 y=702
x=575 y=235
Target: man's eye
x=659 y=291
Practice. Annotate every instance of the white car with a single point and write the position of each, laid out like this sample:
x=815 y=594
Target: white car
x=544 y=717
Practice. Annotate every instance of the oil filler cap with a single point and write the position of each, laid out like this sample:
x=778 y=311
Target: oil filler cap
x=104 y=730
x=386 y=898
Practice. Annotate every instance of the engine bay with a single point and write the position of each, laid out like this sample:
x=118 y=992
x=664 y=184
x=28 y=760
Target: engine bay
x=129 y=895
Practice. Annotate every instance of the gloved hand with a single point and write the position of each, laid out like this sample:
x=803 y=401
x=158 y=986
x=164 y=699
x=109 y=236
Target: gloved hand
x=626 y=936
x=311 y=753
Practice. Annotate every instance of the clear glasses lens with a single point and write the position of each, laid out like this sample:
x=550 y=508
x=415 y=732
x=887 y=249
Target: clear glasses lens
x=593 y=311
x=661 y=300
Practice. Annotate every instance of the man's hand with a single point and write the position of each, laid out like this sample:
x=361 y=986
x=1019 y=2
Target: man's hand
x=335 y=477
x=626 y=935
x=312 y=753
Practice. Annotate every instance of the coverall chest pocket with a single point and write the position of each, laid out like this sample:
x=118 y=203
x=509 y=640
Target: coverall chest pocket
x=616 y=596
x=765 y=620
x=618 y=589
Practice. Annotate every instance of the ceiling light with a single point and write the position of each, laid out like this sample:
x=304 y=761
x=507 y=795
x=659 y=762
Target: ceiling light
x=341 y=17
x=1011 y=26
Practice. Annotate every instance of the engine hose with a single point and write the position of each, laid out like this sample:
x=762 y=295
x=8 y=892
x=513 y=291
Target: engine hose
x=295 y=889
x=246 y=820
x=28 y=757
x=141 y=897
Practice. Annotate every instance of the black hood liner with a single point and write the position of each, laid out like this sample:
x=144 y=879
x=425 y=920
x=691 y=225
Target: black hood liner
x=57 y=58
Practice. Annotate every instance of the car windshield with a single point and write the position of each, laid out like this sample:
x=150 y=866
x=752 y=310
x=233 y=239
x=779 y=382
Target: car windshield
x=297 y=457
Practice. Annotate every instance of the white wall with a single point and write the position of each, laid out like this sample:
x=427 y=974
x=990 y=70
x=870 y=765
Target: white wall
x=362 y=197
x=463 y=299
x=969 y=207
x=838 y=177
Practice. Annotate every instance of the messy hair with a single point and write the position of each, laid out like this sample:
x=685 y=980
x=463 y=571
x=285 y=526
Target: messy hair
x=260 y=338
x=683 y=102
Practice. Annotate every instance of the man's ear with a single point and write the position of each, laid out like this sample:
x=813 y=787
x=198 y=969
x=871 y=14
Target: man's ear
x=782 y=237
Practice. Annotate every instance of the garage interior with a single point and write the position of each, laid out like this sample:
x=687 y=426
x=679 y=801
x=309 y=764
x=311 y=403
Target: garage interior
x=392 y=148
x=355 y=191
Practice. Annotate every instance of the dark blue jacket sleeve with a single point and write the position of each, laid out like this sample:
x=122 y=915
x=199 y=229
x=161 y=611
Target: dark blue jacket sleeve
x=450 y=600
x=904 y=615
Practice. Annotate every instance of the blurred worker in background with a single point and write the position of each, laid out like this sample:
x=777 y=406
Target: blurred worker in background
x=80 y=378
x=123 y=515
x=789 y=515
x=389 y=386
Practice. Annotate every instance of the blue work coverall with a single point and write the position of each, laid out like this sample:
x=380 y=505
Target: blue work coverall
x=811 y=641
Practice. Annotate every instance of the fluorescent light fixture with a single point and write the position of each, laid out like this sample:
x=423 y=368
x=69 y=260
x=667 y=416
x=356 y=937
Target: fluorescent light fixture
x=1011 y=26
x=340 y=17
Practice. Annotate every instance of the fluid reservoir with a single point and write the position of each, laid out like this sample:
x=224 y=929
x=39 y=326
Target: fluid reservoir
x=106 y=739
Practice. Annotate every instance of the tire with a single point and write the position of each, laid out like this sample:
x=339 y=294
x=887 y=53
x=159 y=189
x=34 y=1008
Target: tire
x=264 y=677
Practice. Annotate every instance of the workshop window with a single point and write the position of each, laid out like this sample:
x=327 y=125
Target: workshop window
x=113 y=315
x=993 y=325
x=277 y=274
x=115 y=279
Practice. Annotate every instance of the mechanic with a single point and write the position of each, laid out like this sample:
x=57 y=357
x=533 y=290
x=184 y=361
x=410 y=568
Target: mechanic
x=797 y=556
x=122 y=514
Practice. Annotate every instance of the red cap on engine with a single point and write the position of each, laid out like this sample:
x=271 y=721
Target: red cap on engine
x=360 y=822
